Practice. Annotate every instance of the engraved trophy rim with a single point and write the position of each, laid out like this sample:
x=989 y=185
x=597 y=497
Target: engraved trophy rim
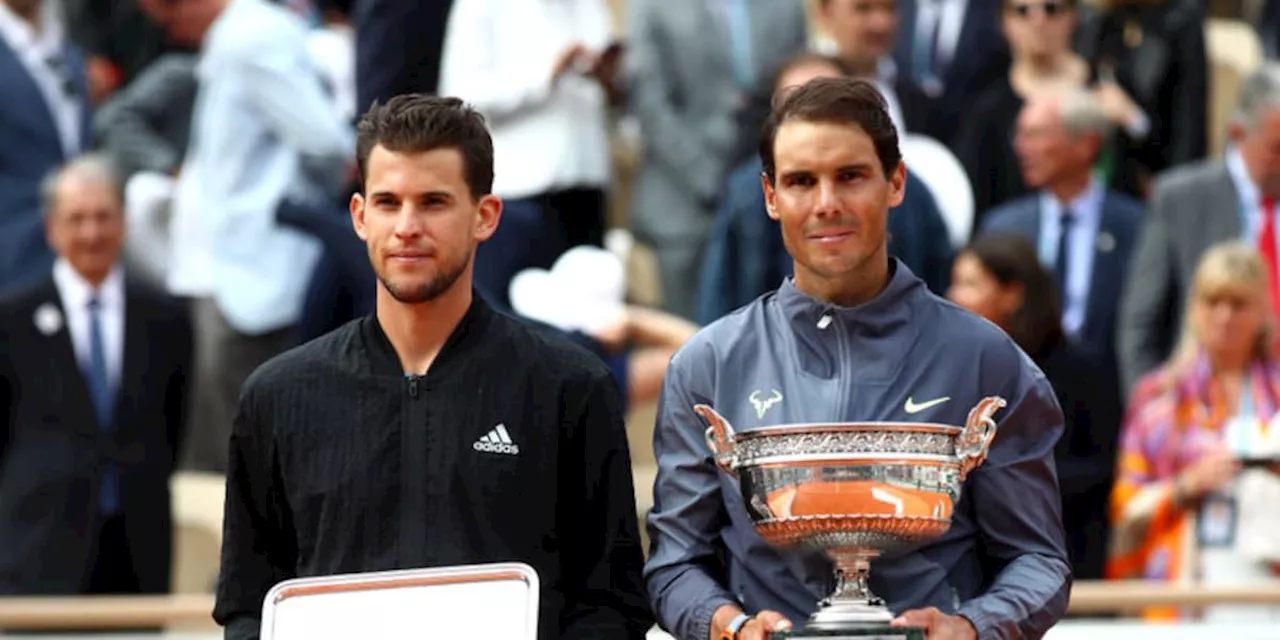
x=799 y=428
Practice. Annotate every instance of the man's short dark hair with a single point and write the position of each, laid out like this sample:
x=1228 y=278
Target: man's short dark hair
x=417 y=123
x=848 y=101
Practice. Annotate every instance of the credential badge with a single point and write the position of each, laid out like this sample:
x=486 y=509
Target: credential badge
x=48 y=319
x=1106 y=242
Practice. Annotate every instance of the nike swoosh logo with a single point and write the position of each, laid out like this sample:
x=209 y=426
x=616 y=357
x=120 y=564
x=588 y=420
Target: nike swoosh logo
x=912 y=407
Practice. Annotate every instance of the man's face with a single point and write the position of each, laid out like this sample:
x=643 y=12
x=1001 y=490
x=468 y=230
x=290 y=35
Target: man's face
x=420 y=222
x=1260 y=148
x=863 y=29
x=831 y=197
x=1046 y=152
x=1038 y=28
x=86 y=226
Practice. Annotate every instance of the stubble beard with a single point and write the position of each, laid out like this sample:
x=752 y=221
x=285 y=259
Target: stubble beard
x=437 y=286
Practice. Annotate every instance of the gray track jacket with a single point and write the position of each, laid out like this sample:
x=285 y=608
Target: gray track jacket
x=788 y=358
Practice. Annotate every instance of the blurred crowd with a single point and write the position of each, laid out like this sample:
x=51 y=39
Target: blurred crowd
x=174 y=179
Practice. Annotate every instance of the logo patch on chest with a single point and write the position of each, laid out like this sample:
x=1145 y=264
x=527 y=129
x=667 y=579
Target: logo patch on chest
x=497 y=441
x=763 y=403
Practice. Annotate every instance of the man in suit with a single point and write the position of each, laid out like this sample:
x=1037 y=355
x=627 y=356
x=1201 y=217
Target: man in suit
x=44 y=121
x=864 y=32
x=1193 y=207
x=951 y=50
x=93 y=388
x=699 y=78
x=1085 y=234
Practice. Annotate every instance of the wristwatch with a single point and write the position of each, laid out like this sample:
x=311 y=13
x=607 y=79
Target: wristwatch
x=731 y=630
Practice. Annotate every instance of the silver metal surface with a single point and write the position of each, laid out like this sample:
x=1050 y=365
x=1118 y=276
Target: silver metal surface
x=852 y=490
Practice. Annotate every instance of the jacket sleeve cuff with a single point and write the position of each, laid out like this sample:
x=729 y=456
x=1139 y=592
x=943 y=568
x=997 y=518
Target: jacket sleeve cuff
x=981 y=625
x=701 y=622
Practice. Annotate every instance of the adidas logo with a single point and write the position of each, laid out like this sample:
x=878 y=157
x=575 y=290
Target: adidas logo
x=497 y=441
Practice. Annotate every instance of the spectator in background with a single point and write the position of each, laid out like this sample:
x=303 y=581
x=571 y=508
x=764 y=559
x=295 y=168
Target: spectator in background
x=541 y=72
x=745 y=257
x=1183 y=509
x=864 y=32
x=1194 y=207
x=932 y=34
x=1152 y=69
x=122 y=38
x=333 y=47
x=44 y=121
x=1085 y=235
x=1039 y=37
x=698 y=83
x=1268 y=24
x=999 y=277
x=94 y=371
x=145 y=129
x=145 y=126
x=398 y=47
x=263 y=129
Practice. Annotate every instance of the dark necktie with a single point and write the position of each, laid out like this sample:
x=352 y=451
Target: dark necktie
x=103 y=398
x=926 y=54
x=1063 y=266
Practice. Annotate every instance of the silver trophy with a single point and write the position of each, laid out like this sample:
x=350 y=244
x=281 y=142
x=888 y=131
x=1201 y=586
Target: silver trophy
x=853 y=490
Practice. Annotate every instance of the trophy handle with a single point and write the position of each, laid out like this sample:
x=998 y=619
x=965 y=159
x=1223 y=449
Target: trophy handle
x=979 y=430
x=719 y=438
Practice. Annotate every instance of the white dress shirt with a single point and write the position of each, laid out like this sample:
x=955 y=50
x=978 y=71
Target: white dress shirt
x=41 y=52
x=498 y=56
x=1082 y=243
x=75 y=292
x=333 y=47
x=263 y=129
x=1249 y=208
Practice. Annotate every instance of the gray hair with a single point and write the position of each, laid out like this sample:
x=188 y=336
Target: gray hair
x=92 y=167
x=1082 y=113
x=1259 y=93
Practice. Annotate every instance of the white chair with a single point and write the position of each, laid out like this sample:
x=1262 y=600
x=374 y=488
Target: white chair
x=947 y=180
x=480 y=602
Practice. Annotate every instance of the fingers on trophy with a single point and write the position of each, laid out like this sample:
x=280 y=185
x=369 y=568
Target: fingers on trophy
x=855 y=491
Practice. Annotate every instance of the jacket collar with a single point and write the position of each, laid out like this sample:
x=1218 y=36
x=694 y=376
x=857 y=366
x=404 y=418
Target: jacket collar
x=880 y=315
x=469 y=332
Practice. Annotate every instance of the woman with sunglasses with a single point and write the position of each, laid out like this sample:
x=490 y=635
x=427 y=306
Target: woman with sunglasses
x=1040 y=35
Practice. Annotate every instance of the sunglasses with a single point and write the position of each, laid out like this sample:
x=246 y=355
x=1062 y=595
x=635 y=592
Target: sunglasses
x=1050 y=8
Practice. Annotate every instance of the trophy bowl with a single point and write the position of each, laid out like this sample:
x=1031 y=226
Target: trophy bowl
x=853 y=490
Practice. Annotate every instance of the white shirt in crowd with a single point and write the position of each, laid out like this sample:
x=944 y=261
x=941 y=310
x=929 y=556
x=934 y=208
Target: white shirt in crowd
x=498 y=56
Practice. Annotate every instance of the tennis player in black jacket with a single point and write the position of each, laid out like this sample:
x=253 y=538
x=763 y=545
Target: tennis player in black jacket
x=437 y=431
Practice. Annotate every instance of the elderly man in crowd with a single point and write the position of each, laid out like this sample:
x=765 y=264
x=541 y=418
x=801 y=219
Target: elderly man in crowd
x=93 y=386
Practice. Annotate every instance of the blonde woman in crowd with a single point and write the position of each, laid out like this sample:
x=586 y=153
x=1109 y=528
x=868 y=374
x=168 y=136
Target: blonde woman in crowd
x=1194 y=501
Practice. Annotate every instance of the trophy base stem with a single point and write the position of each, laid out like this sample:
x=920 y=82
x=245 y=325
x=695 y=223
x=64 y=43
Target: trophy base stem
x=852 y=611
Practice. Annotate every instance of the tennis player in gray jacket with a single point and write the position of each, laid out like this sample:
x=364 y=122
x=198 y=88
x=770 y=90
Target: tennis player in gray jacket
x=853 y=336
